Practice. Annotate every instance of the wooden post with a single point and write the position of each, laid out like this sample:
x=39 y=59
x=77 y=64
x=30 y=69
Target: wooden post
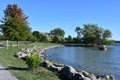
x=7 y=44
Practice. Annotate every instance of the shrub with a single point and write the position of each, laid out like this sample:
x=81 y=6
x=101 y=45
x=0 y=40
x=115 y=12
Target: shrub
x=57 y=39
x=33 y=61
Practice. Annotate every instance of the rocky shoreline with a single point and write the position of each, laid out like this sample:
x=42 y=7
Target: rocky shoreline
x=67 y=71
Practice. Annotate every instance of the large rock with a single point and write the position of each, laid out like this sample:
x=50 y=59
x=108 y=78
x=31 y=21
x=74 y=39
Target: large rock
x=68 y=71
x=92 y=76
x=102 y=47
x=29 y=51
x=21 y=55
x=55 y=68
x=58 y=65
x=46 y=64
x=78 y=76
x=110 y=77
x=85 y=73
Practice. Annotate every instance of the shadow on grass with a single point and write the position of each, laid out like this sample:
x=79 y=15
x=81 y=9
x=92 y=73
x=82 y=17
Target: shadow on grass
x=14 y=68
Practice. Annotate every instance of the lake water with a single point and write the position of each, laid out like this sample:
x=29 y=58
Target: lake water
x=89 y=59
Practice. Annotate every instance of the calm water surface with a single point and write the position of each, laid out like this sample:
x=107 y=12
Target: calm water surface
x=89 y=59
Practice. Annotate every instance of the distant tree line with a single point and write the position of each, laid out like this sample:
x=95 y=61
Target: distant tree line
x=55 y=36
x=15 y=27
x=91 y=34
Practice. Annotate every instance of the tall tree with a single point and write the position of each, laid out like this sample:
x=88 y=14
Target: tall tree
x=36 y=34
x=58 y=32
x=79 y=32
x=69 y=38
x=93 y=34
x=90 y=33
x=14 y=24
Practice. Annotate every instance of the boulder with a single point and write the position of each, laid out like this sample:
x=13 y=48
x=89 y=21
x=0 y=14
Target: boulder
x=46 y=64
x=102 y=47
x=68 y=71
x=28 y=51
x=86 y=78
x=92 y=76
x=78 y=76
x=55 y=68
x=58 y=65
x=21 y=55
x=112 y=77
x=85 y=73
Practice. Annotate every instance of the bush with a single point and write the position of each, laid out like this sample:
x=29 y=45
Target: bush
x=57 y=39
x=33 y=61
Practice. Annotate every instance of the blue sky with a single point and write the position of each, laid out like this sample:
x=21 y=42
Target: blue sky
x=45 y=15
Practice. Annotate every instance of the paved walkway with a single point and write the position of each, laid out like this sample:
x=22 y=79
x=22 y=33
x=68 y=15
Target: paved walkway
x=5 y=74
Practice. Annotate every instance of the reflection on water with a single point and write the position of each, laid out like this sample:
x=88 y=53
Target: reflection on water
x=89 y=59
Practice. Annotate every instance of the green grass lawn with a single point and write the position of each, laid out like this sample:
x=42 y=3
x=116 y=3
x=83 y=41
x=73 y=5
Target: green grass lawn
x=20 y=69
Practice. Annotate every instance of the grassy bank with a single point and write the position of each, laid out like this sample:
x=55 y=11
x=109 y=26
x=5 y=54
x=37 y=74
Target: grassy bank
x=20 y=69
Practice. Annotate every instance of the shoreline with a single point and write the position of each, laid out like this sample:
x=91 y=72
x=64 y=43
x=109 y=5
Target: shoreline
x=98 y=77
x=66 y=71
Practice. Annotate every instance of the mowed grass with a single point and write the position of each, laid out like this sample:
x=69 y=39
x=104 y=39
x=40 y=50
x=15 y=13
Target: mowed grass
x=19 y=68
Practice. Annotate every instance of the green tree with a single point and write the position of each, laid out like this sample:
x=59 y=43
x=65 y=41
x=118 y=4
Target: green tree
x=79 y=32
x=107 y=34
x=90 y=33
x=36 y=34
x=69 y=39
x=14 y=24
x=57 y=32
x=57 y=39
x=93 y=34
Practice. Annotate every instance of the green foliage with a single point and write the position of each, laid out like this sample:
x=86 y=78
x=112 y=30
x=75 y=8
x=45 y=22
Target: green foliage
x=57 y=32
x=36 y=34
x=42 y=37
x=1 y=37
x=69 y=39
x=79 y=32
x=107 y=34
x=108 y=42
x=33 y=61
x=57 y=39
x=33 y=38
x=92 y=34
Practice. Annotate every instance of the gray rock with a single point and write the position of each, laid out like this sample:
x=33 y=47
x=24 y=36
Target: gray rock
x=107 y=77
x=21 y=55
x=92 y=76
x=78 y=76
x=68 y=71
x=55 y=68
x=30 y=51
x=101 y=78
x=46 y=64
x=86 y=78
x=112 y=77
x=85 y=73
x=58 y=65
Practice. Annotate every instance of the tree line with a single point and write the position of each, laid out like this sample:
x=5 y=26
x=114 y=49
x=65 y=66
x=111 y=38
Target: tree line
x=14 y=26
x=91 y=34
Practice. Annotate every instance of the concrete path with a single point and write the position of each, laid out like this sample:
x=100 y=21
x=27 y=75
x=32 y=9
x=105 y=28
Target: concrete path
x=5 y=74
